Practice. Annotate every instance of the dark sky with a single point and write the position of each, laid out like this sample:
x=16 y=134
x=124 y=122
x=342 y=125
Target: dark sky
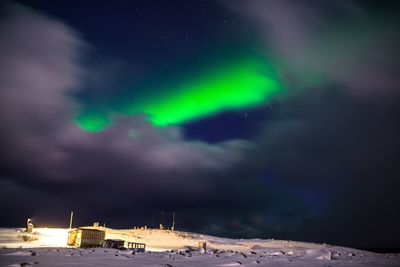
x=271 y=119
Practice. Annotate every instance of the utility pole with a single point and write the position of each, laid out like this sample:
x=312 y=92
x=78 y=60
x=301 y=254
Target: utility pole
x=173 y=222
x=70 y=220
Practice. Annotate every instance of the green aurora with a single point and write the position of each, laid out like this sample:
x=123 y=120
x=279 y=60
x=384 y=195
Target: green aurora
x=241 y=85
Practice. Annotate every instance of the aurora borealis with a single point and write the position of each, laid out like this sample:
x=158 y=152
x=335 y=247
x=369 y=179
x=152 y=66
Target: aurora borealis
x=246 y=118
x=245 y=84
x=234 y=87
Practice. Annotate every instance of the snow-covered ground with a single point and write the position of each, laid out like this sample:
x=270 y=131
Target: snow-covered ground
x=47 y=247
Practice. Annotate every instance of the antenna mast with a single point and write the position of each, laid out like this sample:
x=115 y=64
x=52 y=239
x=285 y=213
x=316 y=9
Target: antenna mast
x=70 y=220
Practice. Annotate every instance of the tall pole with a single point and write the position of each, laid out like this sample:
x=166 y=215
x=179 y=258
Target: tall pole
x=173 y=222
x=70 y=220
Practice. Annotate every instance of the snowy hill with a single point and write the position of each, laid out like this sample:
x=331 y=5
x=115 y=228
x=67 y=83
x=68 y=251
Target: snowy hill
x=47 y=246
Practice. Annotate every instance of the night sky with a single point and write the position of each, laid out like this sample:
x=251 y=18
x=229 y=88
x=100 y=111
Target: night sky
x=271 y=119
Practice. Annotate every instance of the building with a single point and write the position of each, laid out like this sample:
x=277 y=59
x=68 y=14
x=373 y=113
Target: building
x=86 y=237
x=113 y=243
x=138 y=247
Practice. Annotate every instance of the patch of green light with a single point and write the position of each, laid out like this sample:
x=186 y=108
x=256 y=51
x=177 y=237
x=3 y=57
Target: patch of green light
x=92 y=121
x=239 y=86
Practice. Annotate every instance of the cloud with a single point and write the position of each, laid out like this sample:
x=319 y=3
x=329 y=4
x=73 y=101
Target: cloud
x=317 y=42
x=343 y=150
x=42 y=150
x=39 y=66
x=335 y=140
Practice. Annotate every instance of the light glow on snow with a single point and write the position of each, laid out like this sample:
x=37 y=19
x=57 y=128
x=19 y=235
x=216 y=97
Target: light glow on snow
x=53 y=237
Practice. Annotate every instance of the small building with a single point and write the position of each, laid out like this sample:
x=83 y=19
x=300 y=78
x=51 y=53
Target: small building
x=113 y=243
x=86 y=237
x=138 y=247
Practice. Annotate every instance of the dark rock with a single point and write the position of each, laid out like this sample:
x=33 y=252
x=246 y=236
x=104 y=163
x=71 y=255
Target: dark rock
x=33 y=253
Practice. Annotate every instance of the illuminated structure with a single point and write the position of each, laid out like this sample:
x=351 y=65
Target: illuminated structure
x=86 y=237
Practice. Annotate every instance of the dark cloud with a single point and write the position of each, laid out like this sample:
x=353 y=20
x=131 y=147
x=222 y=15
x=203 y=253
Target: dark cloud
x=345 y=149
x=336 y=137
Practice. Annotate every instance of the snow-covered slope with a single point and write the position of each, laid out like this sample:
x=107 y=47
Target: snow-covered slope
x=174 y=248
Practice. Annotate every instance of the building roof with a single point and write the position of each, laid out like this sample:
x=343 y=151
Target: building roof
x=94 y=228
